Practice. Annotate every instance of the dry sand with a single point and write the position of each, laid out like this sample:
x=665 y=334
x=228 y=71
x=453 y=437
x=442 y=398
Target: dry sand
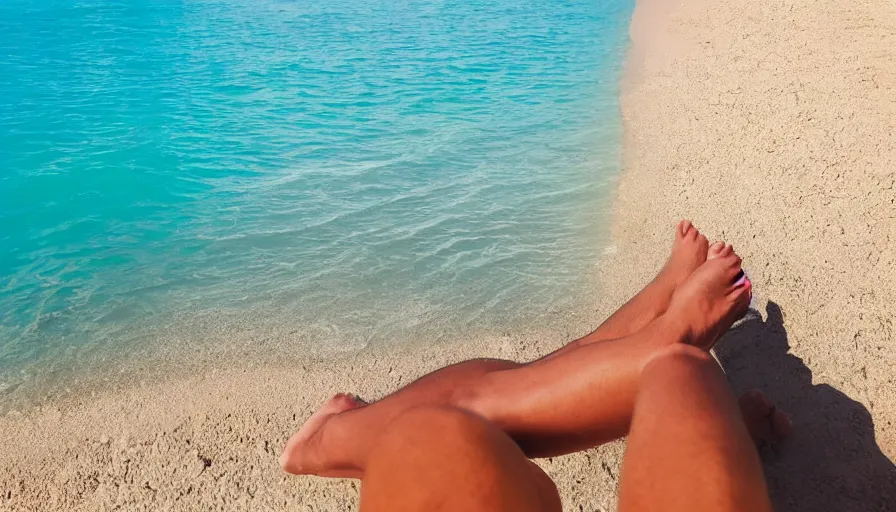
x=770 y=124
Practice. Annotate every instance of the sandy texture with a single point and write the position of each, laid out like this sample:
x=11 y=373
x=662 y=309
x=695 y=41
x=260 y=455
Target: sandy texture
x=211 y=442
x=771 y=124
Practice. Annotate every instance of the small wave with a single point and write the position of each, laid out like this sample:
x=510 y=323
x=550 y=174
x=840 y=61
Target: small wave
x=169 y=162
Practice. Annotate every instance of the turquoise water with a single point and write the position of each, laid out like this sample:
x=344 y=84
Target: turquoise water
x=362 y=170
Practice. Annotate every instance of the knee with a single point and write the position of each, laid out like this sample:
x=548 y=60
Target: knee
x=440 y=422
x=681 y=358
x=429 y=431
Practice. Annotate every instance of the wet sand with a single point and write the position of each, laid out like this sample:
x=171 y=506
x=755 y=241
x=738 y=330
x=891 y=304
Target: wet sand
x=771 y=126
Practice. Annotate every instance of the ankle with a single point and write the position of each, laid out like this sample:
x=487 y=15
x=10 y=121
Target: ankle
x=673 y=329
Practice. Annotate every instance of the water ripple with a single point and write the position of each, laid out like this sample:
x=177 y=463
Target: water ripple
x=356 y=167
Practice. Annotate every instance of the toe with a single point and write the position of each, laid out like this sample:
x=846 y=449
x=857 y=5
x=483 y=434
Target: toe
x=736 y=261
x=683 y=227
x=741 y=283
x=724 y=251
x=764 y=421
x=715 y=250
x=740 y=295
x=729 y=266
x=782 y=427
x=757 y=412
x=702 y=242
x=343 y=400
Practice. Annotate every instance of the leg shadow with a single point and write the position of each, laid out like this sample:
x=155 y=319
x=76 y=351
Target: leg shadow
x=831 y=462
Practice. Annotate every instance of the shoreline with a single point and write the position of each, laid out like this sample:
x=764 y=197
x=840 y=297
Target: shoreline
x=173 y=352
x=803 y=172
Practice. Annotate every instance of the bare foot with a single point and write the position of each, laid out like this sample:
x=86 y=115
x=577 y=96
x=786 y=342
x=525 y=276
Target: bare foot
x=711 y=299
x=297 y=457
x=689 y=251
x=766 y=423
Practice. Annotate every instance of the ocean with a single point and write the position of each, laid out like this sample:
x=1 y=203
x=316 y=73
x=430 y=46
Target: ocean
x=294 y=175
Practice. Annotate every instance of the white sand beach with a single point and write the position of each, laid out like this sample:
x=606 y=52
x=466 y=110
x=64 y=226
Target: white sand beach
x=770 y=125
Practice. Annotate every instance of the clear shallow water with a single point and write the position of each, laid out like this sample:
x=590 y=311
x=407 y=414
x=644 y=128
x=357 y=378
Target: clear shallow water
x=366 y=170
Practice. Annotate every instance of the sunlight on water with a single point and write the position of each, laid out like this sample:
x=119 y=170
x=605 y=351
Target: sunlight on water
x=375 y=169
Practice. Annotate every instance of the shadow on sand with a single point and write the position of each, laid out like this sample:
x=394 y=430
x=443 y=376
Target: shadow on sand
x=832 y=461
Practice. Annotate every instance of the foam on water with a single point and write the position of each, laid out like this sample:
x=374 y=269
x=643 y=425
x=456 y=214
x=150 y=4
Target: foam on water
x=364 y=169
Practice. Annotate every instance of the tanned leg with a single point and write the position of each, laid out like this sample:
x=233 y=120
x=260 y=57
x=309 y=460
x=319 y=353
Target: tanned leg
x=689 y=250
x=689 y=448
x=576 y=401
x=555 y=405
x=436 y=458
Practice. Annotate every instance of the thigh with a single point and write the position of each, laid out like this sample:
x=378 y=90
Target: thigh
x=438 y=458
x=689 y=448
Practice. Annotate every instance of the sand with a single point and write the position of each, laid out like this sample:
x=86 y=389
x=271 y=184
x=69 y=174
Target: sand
x=770 y=124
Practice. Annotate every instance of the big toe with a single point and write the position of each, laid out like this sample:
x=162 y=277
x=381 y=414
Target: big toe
x=782 y=426
x=343 y=401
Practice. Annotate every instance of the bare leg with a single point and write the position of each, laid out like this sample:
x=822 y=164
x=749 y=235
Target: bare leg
x=437 y=388
x=447 y=459
x=583 y=399
x=689 y=250
x=555 y=405
x=689 y=448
